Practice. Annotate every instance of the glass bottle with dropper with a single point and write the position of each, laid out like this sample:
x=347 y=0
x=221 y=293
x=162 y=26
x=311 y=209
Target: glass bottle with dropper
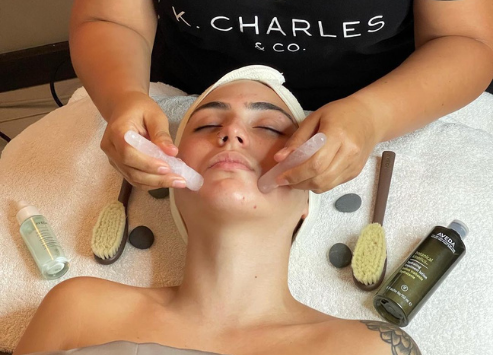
x=41 y=242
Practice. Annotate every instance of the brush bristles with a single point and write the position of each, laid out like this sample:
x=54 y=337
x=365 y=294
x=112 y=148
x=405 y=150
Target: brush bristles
x=108 y=231
x=369 y=255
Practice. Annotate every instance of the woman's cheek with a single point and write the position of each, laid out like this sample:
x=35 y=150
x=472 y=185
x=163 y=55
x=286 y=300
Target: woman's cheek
x=194 y=153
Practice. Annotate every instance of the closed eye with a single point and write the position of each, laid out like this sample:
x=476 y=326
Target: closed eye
x=272 y=130
x=215 y=126
x=206 y=126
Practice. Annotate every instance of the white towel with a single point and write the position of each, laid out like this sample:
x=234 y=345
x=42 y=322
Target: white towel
x=441 y=172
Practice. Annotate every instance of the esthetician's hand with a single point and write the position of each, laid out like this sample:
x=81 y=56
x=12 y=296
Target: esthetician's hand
x=351 y=137
x=138 y=112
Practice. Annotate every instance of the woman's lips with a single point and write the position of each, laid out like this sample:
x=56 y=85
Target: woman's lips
x=230 y=165
x=230 y=160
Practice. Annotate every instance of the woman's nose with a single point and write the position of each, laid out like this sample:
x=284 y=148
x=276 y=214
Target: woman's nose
x=233 y=135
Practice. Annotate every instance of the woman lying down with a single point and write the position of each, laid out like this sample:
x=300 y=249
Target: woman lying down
x=234 y=298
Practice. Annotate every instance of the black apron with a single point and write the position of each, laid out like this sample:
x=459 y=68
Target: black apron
x=326 y=49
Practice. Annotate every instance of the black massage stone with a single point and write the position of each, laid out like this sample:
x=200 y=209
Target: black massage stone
x=340 y=255
x=348 y=203
x=141 y=237
x=159 y=193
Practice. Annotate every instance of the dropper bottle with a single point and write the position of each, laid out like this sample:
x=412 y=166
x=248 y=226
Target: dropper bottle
x=41 y=242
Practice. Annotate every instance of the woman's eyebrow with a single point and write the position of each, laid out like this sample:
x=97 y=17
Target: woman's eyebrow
x=263 y=106
x=213 y=104
x=258 y=106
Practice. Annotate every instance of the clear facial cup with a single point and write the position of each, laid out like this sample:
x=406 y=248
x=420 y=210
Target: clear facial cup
x=267 y=182
x=193 y=179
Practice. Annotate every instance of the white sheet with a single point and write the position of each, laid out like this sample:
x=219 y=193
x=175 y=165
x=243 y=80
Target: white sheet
x=442 y=172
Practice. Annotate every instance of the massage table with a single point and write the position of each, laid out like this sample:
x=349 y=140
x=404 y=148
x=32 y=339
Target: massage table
x=442 y=172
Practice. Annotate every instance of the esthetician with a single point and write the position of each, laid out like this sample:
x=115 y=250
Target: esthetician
x=234 y=297
x=370 y=70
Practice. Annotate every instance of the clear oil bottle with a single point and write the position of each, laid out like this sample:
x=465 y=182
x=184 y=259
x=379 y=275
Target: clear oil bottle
x=41 y=242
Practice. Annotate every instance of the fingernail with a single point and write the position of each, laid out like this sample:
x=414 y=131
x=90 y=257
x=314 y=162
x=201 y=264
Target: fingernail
x=282 y=151
x=283 y=182
x=163 y=170
x=179 y=183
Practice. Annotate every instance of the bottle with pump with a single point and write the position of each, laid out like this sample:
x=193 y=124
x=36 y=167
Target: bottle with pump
x=403 y=294
x=41 y=242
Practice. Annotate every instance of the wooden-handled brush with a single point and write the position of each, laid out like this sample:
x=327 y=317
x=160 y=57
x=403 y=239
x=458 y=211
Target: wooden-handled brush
x=110 y=233
x=369 y=261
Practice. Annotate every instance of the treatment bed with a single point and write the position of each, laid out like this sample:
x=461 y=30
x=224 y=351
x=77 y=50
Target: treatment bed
x=442 y=172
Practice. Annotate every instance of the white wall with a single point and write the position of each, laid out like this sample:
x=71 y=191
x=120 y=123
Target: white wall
x=32 y=23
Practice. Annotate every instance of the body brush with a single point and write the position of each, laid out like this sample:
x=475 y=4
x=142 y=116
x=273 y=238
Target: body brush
x=369 y=261
x=110 y=233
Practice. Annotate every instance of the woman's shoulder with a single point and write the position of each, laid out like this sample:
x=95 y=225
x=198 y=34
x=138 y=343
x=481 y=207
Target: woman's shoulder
x=84 y=284
x=84 y=288
x=73 y=293
x=76 y=307
x=93 y=300
x=368 y=337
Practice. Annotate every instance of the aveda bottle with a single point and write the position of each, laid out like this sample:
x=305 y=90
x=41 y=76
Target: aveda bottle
x=41 y=242
x=403 y=294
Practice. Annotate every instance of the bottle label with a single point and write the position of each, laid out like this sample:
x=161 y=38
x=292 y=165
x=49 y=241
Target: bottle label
x=401 y=293
x=46 y=237
x=40 y=240
x=415 y=270
x=416 y=267
x=446 y=240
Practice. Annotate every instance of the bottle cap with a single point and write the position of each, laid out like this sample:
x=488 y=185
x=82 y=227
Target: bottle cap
x=25 y=211
x=459 y=227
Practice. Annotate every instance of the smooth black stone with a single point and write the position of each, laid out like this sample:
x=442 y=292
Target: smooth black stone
x=141 y=237
x=340 y=255
x=159 y=193
x=348 y=203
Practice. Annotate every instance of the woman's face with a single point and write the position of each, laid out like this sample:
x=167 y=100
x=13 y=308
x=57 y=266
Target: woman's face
x=257 y=124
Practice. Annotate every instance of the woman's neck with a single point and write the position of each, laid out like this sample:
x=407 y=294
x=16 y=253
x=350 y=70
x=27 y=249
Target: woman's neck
x=237 y=276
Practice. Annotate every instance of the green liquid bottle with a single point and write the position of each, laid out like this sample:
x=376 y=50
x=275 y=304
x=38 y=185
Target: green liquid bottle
x=403 y=294
x=41 y=242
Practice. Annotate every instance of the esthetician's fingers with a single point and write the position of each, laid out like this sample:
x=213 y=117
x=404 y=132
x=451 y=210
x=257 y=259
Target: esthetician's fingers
x=145 y=181
x=145 y=172
x=351 y=138
x=306 y=130
x=158 y=130
x=135 y=112
x=339 y=171
x=310 y=174
x=303 y=175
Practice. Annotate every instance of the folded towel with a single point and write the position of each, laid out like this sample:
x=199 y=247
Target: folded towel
x=442 y=172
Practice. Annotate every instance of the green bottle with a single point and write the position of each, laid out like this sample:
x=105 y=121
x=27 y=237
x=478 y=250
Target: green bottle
x=403 y=294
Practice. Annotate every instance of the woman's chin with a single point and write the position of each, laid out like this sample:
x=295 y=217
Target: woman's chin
x=230 y=194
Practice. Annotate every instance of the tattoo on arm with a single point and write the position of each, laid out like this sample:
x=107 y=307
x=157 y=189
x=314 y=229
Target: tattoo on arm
x=400 y=342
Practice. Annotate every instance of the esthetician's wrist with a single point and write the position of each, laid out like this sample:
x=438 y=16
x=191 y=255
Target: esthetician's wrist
x=374 y=115
x=124 y=103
